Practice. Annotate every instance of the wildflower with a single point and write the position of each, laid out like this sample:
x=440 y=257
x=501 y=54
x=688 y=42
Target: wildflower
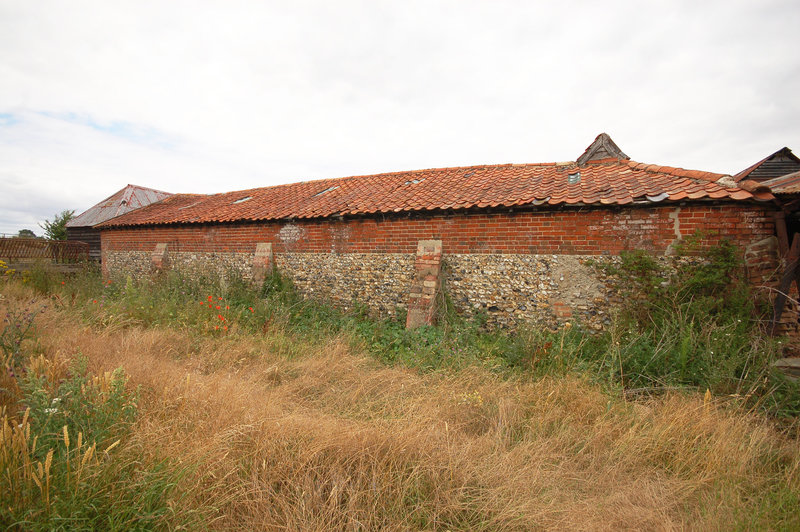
x=94 y=301
x=216 y=327
x=251 y=309
x=217 y=307
x=220 y=317
x=210 y=298
x=62 y=282
x=225 y=327
x=50 y=410
x=219 y=298
x=567 y=325
x=55 y=400
x=203 y=303
x=227 y=307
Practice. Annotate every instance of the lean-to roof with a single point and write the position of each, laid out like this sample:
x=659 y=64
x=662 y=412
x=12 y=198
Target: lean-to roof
x=787 y=184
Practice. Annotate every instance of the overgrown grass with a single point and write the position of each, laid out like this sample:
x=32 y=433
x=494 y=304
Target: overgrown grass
x=326 y=437
x=697 y=330
x=66 y=460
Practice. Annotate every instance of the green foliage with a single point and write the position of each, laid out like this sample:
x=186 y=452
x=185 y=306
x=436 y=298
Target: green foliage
x=57 y=229
x=692 y=323
x=26 y=233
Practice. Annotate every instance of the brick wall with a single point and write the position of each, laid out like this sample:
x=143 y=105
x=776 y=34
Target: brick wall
x=574 y=232
x=516 y=266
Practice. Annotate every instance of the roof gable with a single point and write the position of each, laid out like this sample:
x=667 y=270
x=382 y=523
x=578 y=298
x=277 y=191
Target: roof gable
x=602 y=148
x=778 y=164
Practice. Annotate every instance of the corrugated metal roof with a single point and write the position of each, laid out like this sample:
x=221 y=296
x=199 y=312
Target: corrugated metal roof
x=610 y=181
x=129 y=198
x=788 y=184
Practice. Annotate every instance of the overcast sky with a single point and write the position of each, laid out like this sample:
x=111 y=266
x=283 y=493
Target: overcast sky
x=204 y=96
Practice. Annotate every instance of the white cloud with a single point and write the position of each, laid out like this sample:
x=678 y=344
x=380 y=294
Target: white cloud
x=212 y=96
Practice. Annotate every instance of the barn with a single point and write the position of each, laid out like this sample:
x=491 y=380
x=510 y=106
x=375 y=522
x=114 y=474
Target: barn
x=81 y=228
x=518 y=242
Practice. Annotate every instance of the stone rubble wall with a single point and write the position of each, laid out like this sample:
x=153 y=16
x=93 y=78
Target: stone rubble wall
x=507 y=289
x=546 y=290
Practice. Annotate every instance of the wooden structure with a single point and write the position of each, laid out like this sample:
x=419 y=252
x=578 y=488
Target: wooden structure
x=779 y=164
x=786 y=189
x=24 y=253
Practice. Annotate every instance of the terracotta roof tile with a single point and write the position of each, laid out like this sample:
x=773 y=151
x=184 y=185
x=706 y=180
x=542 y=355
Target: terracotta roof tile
x=607 y=181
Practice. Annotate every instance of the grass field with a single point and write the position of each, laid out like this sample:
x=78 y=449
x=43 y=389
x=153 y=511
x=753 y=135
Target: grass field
x=242 y=417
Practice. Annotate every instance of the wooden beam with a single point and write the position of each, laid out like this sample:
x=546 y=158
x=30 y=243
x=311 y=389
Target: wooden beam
x=783 y=235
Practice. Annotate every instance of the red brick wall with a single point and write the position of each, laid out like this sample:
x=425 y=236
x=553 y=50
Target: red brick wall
x=572 y=232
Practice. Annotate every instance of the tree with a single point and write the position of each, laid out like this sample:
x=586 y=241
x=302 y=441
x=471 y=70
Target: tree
x=26 y=233
x=57 y=229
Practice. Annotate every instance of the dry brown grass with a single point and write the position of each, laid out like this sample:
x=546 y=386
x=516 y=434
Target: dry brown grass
x=334 y=440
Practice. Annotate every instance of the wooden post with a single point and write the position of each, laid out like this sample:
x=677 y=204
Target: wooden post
x=783 y=235
x=422 y=298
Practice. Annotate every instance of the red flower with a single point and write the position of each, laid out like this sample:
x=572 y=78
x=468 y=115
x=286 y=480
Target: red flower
x=225 y=327
x=251 y=309
x=219 y=298
x=227 y=307
x=210 y=298
x=217 y=307
x=94 y=301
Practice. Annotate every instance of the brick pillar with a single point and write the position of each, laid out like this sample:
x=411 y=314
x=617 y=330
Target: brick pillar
x=262 y=262
x=422 y=299
x=159 y=258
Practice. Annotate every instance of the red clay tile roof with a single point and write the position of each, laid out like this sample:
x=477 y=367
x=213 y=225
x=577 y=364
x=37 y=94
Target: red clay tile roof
x=603 y=182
